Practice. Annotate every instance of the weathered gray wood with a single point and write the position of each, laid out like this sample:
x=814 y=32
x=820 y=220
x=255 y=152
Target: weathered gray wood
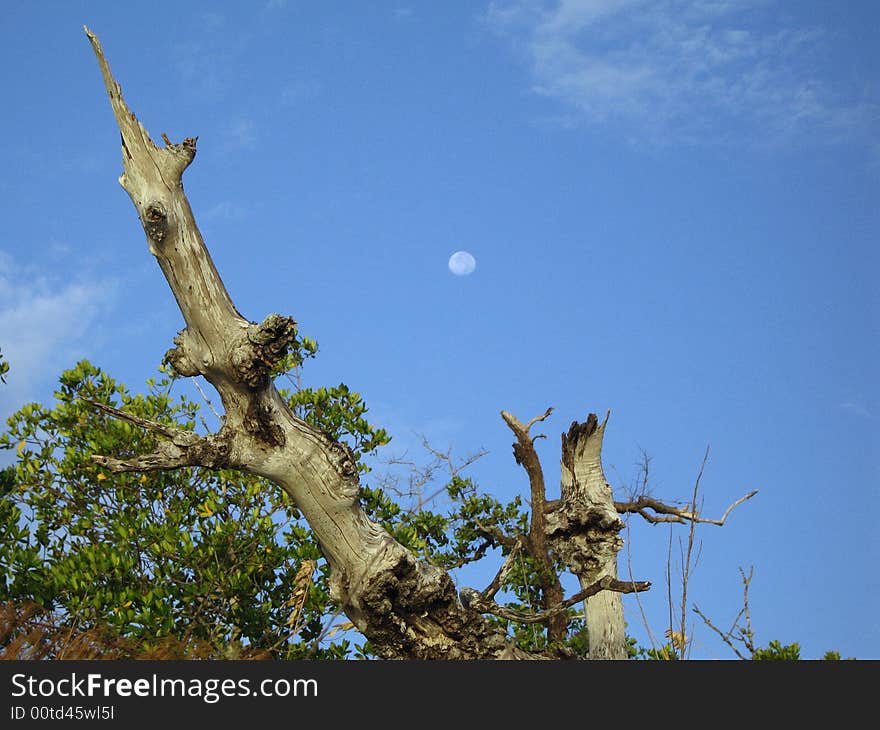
x=407 y=608
x=583 y=530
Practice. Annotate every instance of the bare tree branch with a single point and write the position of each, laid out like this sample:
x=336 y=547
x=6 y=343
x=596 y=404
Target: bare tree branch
x=742 y=634
x=518 y=427
x=170 y=432
x=687 y=566
x=674 y=514
x=496 y=535
x=538 y=419
x=725 y=637
x=489 y=591
x=181 y=447
x=479 y=553
x=208 y=401
x=641 y=606
x=536 y=542
x=606 y=583
x=421 y=475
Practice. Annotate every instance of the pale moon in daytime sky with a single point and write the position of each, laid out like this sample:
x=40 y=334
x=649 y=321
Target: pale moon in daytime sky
x=461 y=263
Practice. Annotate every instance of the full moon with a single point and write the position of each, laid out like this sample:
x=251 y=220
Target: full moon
x=461 y=263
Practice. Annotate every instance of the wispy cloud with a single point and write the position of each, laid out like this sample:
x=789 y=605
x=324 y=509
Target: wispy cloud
x=224 y=211
x=209 y=61
x=858 y=408
x=240 y=134
x=200 y=67
x=213 y=21
x=234 y=134
x=44 y=325
x=682 y=70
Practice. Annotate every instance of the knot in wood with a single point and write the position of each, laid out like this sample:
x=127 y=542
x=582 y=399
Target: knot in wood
x=344 y=460
x=272 y=338
x=155 y=222
x=260 y=423
x=177 y=358
x=248 y=368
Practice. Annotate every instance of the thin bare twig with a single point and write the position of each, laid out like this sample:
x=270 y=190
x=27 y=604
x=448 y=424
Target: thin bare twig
x=742 y=634
x=478 y=555
x=538 y=419
x=669 y=577
x=489 y=592
x=207 y=400
x=167 y=431
x=725 y=637
x=422 y=475
x=674 y=514
x=495 y=534
x=687 y=567
x=632 y=579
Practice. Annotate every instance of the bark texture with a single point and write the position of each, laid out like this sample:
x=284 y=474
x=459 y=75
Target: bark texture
x=583 y=530
x=536 y=542
x=407 y=608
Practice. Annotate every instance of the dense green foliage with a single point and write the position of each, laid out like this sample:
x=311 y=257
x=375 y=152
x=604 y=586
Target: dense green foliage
x=206 y=556
x=217 y=558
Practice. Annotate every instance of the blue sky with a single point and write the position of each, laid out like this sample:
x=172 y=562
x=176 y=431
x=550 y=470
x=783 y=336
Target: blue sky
x=673 y=206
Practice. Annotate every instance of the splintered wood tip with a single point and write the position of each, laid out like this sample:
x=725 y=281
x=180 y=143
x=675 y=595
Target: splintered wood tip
x=93 y=39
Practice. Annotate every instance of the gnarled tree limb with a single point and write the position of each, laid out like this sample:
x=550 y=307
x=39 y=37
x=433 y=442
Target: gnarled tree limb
x=536 y=541
x=606 y=583
x=407 y=608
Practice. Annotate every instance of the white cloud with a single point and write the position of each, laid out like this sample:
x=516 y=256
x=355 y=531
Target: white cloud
x=59 y=249
x=681 y=70
x=210 y=64
x=44 y=326
x=858 y=408
x=240 y=134
x=224 y=211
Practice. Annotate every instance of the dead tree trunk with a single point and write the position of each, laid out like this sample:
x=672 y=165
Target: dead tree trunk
x=407 y=608
x=583 y=529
